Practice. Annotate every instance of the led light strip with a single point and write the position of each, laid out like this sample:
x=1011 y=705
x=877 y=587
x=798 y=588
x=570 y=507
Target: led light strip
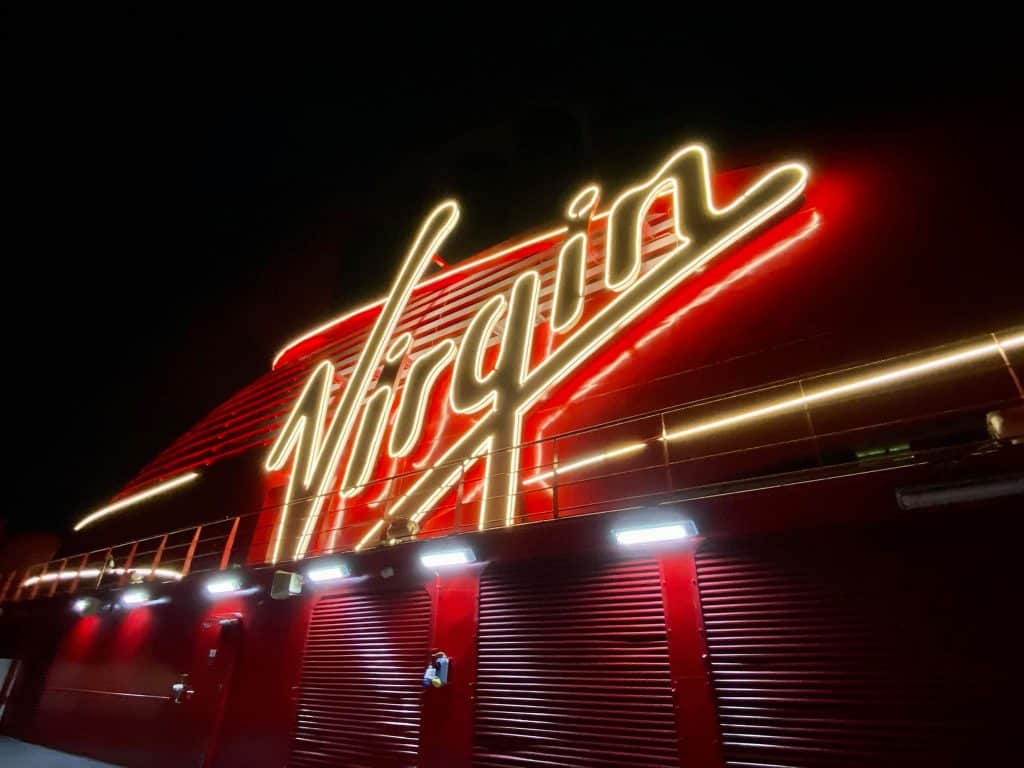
x=858 y=384
x=117 y=506
x=586 y=462
x=92 y=573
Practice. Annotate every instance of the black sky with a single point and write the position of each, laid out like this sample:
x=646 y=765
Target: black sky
x=182 y=203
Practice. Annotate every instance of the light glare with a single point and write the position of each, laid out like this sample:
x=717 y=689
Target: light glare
x=223 y=585
x=134 y=597
x=82 y=605
x=327 y=573
x=650 y=534
x=449 y=557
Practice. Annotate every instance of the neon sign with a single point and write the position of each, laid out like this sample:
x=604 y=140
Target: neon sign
x=312 y=442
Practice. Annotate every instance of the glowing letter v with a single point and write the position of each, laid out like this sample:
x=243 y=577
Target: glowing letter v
x=315 y=454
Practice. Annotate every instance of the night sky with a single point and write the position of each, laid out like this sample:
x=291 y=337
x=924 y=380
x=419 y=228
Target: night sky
x=180 y=208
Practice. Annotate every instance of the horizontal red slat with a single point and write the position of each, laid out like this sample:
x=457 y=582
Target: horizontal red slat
x=837 y=650
x=573 y=668
x=250 y=418
x=359 y=694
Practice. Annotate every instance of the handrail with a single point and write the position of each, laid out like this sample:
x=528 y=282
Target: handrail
x=567 y=484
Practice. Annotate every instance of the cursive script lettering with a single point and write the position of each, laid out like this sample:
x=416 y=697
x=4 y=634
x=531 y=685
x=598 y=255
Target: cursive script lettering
x=501 y=397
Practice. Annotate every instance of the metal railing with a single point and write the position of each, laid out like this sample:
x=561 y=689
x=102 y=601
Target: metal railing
x=165 y=557
x=740 y=440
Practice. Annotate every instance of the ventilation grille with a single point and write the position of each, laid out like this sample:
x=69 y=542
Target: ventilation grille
x=574 y=668
x=359 y=697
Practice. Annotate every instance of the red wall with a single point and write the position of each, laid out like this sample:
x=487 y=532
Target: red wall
x=914 y=248
x=142 y=651
x=903 y=241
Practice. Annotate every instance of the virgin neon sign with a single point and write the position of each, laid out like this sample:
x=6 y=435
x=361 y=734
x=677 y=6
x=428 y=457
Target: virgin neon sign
x=312 y=441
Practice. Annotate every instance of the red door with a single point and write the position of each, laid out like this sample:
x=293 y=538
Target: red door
x=199 y=695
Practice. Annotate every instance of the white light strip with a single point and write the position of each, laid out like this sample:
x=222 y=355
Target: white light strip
x=163 y=573
x=88 y=573
x=858 y=384
x=92 y=573
x=327 y=573
x=585 y=462
x=223 y=584
x=854 y=385
x=450 y=557
x=135 y=596
x=629 y=536
x=369 y=534
x=171 y=484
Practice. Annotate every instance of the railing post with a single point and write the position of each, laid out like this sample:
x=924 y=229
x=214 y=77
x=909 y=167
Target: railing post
x=35 y=587
x=457 y=521
x=229 y=545
x=664 y=454
x=191 y=552
x=78 y=574
x=159 y=556
x=7 y=585
x=810 y=425
x=554 y=477
x=21 y=584
x=107 y=557
x=56 y=582
x=517 y=516
x=129 y=562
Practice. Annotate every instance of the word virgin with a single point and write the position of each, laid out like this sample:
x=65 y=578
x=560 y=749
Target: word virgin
x=314 y=443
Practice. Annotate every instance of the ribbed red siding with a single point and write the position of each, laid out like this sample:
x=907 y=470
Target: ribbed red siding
x=574 y=668
x=855 y=650
x=360 y=691
x=436 y=311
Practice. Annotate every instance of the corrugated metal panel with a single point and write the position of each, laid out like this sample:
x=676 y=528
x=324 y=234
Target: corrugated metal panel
x=359 y=696
x=574 y=668
x=851 y=651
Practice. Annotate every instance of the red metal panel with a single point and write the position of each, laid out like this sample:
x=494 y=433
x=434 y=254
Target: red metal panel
x=699 y=745
x=856 y=650
x=771 y=310
x=107 y=693
x=360 y=691
x=447 y=737
x=573 y=667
